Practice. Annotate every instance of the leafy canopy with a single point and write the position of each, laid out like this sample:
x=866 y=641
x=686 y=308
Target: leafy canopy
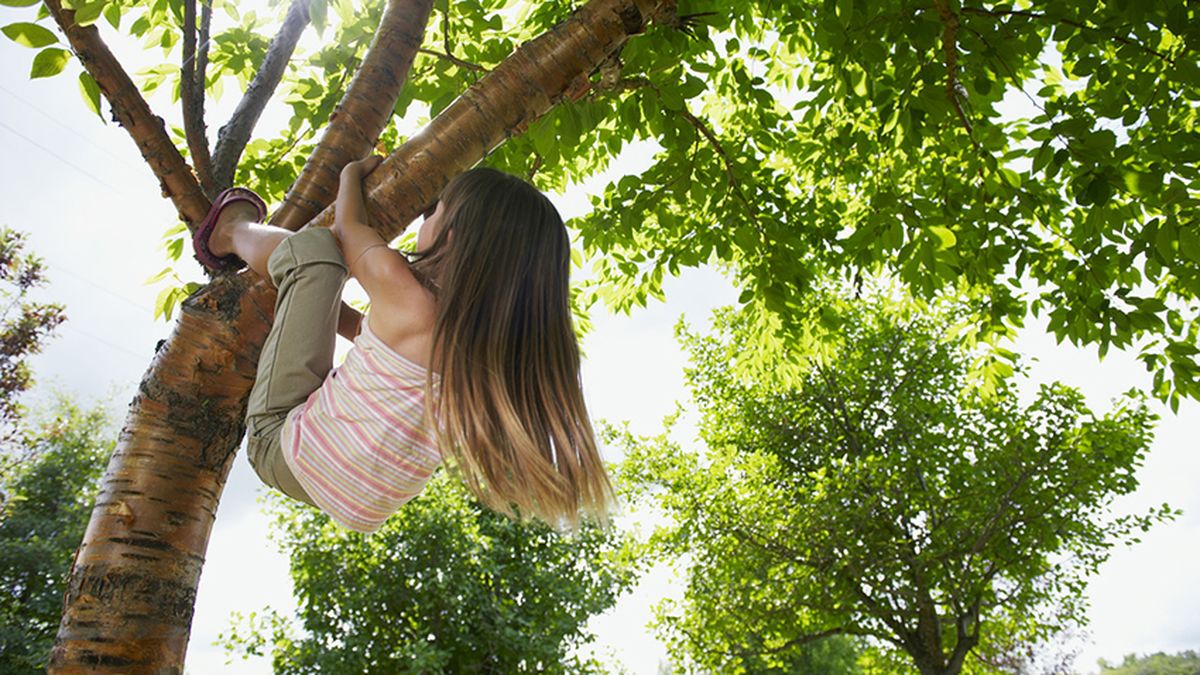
x=1039 y=155
x=883 y=497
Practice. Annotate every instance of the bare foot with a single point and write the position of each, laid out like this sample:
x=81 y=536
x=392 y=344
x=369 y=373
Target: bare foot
x=220 y=242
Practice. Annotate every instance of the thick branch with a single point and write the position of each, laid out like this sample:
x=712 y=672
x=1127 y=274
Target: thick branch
x=191 y=90
x=514 y=94
x=148 y=132
x=235 y=134
x=966 y=640
x=362 y=113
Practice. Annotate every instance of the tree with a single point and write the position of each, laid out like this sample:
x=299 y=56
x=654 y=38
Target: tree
x=1183 y=663
x=445 y=586
x=798 y=140
x=24 y=326
x=883 y=497
x=46 y=499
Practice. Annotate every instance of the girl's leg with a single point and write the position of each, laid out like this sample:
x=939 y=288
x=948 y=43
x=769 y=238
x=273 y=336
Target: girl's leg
x=238 y=232
x=308 y=270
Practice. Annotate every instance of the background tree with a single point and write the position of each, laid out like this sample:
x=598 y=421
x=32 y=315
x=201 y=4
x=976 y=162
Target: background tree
x=24 y=326
x=798 y=141
x=444 y=586
x=47 y=496
x=884 y=497
x=1183 y=663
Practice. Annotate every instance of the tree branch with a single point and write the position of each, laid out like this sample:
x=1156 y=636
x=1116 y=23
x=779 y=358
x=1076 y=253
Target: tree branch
x=148 y=132
x=950 y=47
x=362 y=113
x=801 y=640
x=191 y=90
x=202 y=47
x=461 y=63
x=232 y=138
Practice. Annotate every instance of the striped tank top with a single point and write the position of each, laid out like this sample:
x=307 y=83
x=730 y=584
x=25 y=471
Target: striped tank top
x=359 y=446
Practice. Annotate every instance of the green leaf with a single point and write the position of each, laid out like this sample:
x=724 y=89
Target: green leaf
x=88 y=14
x=163 y=302
x=1189 y=243
x=91 y=93
x=1143 y=183
x=49 y=62
x=175 y=249
x=945 y=237
x=318 y=10
x=19 y=3
x=29 y=35
x=112 y=14
x=158 y=277
x=671 y=98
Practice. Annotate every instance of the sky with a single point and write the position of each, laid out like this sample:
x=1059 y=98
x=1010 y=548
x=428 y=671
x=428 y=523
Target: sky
x=94 y=214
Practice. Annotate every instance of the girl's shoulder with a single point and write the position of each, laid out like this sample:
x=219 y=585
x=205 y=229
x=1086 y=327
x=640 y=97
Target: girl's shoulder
x=403 y=311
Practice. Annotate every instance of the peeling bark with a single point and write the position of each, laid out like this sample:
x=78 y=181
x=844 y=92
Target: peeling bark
x=132 y=586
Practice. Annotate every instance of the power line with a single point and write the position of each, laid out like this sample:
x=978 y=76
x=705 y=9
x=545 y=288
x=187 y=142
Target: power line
x=50 y=116
x=144 y=358
x=93 y=284
x=64 y=160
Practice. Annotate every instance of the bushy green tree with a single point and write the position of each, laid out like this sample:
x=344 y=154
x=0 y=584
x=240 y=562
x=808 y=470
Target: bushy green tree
x=24 y=325
x=44 y=506
x=885 y=497
x=444 y=586
x=1183 y=663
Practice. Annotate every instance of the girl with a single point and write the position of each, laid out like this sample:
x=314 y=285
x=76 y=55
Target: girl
x=468 y=352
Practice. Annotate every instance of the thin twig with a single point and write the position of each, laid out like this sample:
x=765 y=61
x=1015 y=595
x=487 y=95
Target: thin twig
x=232 y=138
x=462 y=63
x=192 y=101
x=202 y=47
x=535 y=167
x=950 y=48
x=701 y=127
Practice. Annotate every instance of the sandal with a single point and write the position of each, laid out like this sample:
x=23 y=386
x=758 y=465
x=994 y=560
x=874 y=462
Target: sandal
x=200 y=239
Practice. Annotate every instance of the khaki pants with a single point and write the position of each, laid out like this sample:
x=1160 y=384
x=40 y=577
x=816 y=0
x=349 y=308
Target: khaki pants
x=308 y=270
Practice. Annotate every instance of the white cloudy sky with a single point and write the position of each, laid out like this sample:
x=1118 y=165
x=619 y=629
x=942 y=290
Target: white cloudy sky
x=93 y=213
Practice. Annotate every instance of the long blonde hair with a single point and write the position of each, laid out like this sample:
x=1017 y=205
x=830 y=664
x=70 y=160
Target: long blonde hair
x=509 y=404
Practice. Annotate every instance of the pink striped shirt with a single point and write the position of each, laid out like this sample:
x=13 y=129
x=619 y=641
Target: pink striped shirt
x=360 y=446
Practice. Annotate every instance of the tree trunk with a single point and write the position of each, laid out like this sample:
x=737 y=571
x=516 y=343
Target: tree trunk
x=132 y=587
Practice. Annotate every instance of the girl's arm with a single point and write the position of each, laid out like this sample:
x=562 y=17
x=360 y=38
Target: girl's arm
x=350 y=213
x=382 y=271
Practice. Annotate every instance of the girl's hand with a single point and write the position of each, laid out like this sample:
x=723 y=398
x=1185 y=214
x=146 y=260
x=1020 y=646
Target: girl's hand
x=362 y=167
